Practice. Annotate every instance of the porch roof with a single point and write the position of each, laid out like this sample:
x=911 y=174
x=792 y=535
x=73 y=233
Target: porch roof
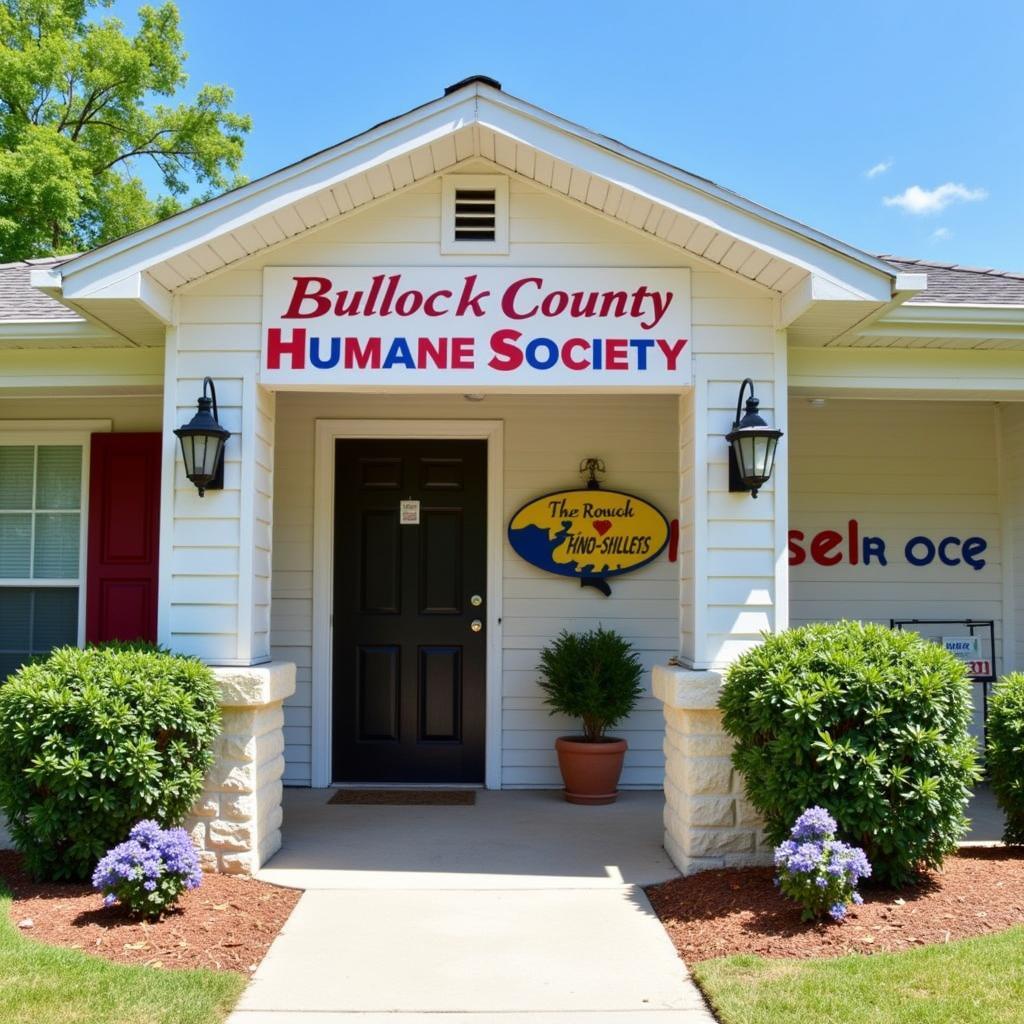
x=823 y=284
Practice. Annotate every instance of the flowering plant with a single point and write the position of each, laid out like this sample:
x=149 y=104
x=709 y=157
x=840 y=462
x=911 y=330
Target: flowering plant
x=817 y=870
x=149 y=871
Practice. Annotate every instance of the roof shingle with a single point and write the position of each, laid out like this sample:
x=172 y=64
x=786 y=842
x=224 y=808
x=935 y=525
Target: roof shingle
x=952 y=284
x=20 y=302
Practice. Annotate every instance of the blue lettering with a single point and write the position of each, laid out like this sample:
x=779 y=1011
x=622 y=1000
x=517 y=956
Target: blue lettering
x=533 y=357
x=319 y=362
x=943 y=557
x=399 y=353
x=873 y=547
x=973 y=547
x=598 y=353
x=916 y=542
x=641 y=345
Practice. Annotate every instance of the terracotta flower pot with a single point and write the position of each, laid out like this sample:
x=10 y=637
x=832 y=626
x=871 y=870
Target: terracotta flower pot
x=590 y=770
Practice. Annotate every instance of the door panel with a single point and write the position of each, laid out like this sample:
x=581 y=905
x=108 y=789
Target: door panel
x=124 y=537
x=409 y=671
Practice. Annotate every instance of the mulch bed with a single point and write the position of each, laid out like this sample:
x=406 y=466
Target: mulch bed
x=227 y=924
x=738 y=910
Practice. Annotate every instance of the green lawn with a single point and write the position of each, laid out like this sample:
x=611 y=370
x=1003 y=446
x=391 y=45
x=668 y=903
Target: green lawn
x=41 y=983
x=976 y=981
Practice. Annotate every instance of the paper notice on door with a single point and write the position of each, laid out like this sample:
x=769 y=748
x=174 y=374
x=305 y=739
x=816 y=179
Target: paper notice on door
x=409 y=513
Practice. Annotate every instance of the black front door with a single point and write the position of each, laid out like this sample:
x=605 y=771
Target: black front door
x=409 y=584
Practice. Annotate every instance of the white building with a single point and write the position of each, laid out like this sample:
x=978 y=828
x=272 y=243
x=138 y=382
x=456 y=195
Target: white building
x=593 y=302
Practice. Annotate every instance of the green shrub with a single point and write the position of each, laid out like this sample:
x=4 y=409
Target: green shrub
x=593 y=676
x=867 y=722
x=1004 y=752
x=94 y=740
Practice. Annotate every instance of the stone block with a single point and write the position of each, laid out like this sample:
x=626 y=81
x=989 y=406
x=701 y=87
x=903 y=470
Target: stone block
x=706 y=722
x=238 y=806
x=237 y=863
x=686 y=688
x=238 y=748
x=268 y=746
x=208 y=860
x=746 y=815
x=707 y=776
x=255 y=685
x=232 y=778
x=710 y=811
x=706 y=745
x=231 y=835
x=705 y=842
x=207 y=806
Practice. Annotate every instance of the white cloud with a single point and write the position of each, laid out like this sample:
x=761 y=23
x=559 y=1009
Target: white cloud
x=880 y=168
x=940 y=235
x=919 y=200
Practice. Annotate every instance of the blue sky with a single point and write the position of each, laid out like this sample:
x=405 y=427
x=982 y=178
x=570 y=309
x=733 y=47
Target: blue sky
x=790 y=104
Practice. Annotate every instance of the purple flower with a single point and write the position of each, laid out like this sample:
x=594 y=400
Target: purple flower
x=814 y=823
x=837 y=911
x=857 y=898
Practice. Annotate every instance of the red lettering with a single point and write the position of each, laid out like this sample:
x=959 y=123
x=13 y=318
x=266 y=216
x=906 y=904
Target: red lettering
x=822 y=546
x=507 y=355
x=797 y=555
x=508 y=300
x=277 y=347
x=364 y=357
x=313 y=288
x=569 y=359
x=467 y=300
x=554 y=303
x=438 y=353
x=616 y=353
x=671 y=352
x=463 y=356
x=430 y=307
x=853 y=530
x=408 y=303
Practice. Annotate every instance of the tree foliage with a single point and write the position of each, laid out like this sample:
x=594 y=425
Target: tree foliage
x=83 y=108
x=1004 y=753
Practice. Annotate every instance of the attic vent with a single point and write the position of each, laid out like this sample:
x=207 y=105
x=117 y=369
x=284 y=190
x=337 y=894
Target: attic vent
x=474 y=213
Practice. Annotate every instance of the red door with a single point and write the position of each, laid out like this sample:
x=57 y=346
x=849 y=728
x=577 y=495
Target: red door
x=124 y=537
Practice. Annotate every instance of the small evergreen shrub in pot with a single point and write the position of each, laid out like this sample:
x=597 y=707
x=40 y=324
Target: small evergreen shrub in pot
x=592 y=676
x=865 y=721
x=149 y=871
x=1004 y=752
x=93 y=741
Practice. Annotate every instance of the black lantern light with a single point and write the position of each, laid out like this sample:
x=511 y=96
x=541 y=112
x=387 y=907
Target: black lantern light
x=752 y=445
x=202 y=443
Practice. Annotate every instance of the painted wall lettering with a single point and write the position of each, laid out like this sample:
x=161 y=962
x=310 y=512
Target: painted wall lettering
x=849 y=546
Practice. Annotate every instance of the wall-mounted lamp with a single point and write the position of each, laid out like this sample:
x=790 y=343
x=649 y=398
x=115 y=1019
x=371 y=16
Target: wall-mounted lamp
x=752 y=445
x=202 y=443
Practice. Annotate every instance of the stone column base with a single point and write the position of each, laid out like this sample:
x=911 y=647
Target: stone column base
x=708 y=821
x=237 y=821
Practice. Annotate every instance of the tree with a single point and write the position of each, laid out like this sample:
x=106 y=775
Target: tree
x=81 y=110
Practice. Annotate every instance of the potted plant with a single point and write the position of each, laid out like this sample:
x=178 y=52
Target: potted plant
x=593 y=676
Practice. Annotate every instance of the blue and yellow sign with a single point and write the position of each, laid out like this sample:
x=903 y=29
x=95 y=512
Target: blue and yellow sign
x=588 y=534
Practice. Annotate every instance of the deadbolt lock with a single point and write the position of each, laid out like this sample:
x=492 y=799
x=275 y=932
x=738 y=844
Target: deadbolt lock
x=476 y=600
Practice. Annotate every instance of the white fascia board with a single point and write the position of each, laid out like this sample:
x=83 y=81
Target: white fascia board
x=693 y=196
x=201 y=224
x=53 y=330
x=922 y=315
x=137 y=287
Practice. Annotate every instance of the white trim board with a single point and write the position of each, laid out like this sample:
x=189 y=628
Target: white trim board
x=329 y=431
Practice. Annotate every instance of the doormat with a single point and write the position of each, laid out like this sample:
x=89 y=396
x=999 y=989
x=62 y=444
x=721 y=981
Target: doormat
x=404 y=796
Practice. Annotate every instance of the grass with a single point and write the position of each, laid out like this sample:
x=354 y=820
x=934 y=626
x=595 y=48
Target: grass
x=975 y=981
x=47 y=983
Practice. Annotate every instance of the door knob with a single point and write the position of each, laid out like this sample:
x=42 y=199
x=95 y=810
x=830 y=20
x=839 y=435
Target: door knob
x=476 y=625
x=476 y=600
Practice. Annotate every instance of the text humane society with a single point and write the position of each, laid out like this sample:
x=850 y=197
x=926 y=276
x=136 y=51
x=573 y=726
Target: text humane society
x=315 y=301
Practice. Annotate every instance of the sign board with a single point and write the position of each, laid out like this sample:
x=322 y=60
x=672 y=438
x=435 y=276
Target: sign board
x=588 y=534
x=466 y=327
x=409 y=513
x=966 y=648
x=973 y=641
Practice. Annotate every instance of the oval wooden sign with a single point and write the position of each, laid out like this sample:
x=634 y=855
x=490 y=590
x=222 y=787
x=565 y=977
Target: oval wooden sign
x=588 y=534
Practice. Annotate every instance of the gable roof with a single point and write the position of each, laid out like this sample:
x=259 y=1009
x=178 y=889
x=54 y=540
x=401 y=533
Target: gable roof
x=952 y=284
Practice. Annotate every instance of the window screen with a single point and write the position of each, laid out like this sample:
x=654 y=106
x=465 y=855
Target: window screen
x=40 y=549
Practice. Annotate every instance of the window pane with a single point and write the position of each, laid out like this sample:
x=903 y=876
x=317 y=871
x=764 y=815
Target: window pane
x=16 y=476
x=10 y=662
x=55 y=618
x=60 y=476
x=56 y=546
x=15 y=542
x=15 y=618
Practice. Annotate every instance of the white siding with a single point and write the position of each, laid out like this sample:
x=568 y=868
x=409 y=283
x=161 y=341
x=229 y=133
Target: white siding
x=638 y=437
x=1011 y=420
x=127 y=414
x=901 y=469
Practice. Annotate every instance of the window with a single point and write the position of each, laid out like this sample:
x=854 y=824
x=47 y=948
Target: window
x=41 y=548
x=474 y=214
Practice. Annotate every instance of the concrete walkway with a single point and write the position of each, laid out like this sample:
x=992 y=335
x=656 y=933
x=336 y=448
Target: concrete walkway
x=521 y=908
